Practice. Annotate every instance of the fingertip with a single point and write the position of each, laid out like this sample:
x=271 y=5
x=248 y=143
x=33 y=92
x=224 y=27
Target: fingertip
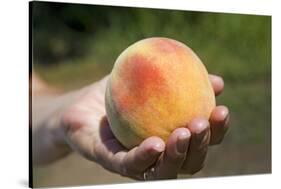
x=219 y=124
x=177 y=143
x=154 y=144
x=182 y=133
x=219 y=114
x=159 y=147
x=217 y=83
x=182 y=142
x=198 y=125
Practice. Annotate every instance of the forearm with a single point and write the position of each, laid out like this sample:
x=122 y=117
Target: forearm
x=48 y=141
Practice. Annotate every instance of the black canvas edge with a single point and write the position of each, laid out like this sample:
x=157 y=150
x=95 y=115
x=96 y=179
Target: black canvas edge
x=30 y=54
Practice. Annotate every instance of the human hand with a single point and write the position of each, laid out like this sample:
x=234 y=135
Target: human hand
x=87 y=131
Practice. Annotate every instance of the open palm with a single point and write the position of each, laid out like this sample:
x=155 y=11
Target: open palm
x=87 y=131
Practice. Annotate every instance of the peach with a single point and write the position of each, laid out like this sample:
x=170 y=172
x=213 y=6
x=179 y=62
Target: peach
x=156 y=86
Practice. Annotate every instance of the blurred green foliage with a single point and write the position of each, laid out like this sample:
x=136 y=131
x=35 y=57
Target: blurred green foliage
x=75 y=45
x=227 y=43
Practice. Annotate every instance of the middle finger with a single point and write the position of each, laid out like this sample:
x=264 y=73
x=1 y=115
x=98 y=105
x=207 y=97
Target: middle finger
x=171 y=160
x=200 y=137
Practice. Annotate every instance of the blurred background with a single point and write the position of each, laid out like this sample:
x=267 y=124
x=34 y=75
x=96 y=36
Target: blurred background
x=75 y=45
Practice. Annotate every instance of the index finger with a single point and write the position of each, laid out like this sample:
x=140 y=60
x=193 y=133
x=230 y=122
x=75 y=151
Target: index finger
x=217 y=83
x=140 y=158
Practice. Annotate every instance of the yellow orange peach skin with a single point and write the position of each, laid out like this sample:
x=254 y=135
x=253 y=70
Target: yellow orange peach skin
x=156 y=86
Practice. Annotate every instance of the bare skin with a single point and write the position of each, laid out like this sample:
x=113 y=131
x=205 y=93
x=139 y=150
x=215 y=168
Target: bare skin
x=76 y=121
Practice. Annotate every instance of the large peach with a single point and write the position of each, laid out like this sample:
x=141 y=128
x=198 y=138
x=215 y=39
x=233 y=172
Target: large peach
x=156 y=86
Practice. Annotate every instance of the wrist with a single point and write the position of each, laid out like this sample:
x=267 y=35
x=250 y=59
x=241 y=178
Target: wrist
x=60 y=132
x=56 y=123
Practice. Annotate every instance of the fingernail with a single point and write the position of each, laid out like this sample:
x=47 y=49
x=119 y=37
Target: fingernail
x=227 y=117
x=198 y=126
x=152 y=152
x=158 y=148
x=182 y=143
